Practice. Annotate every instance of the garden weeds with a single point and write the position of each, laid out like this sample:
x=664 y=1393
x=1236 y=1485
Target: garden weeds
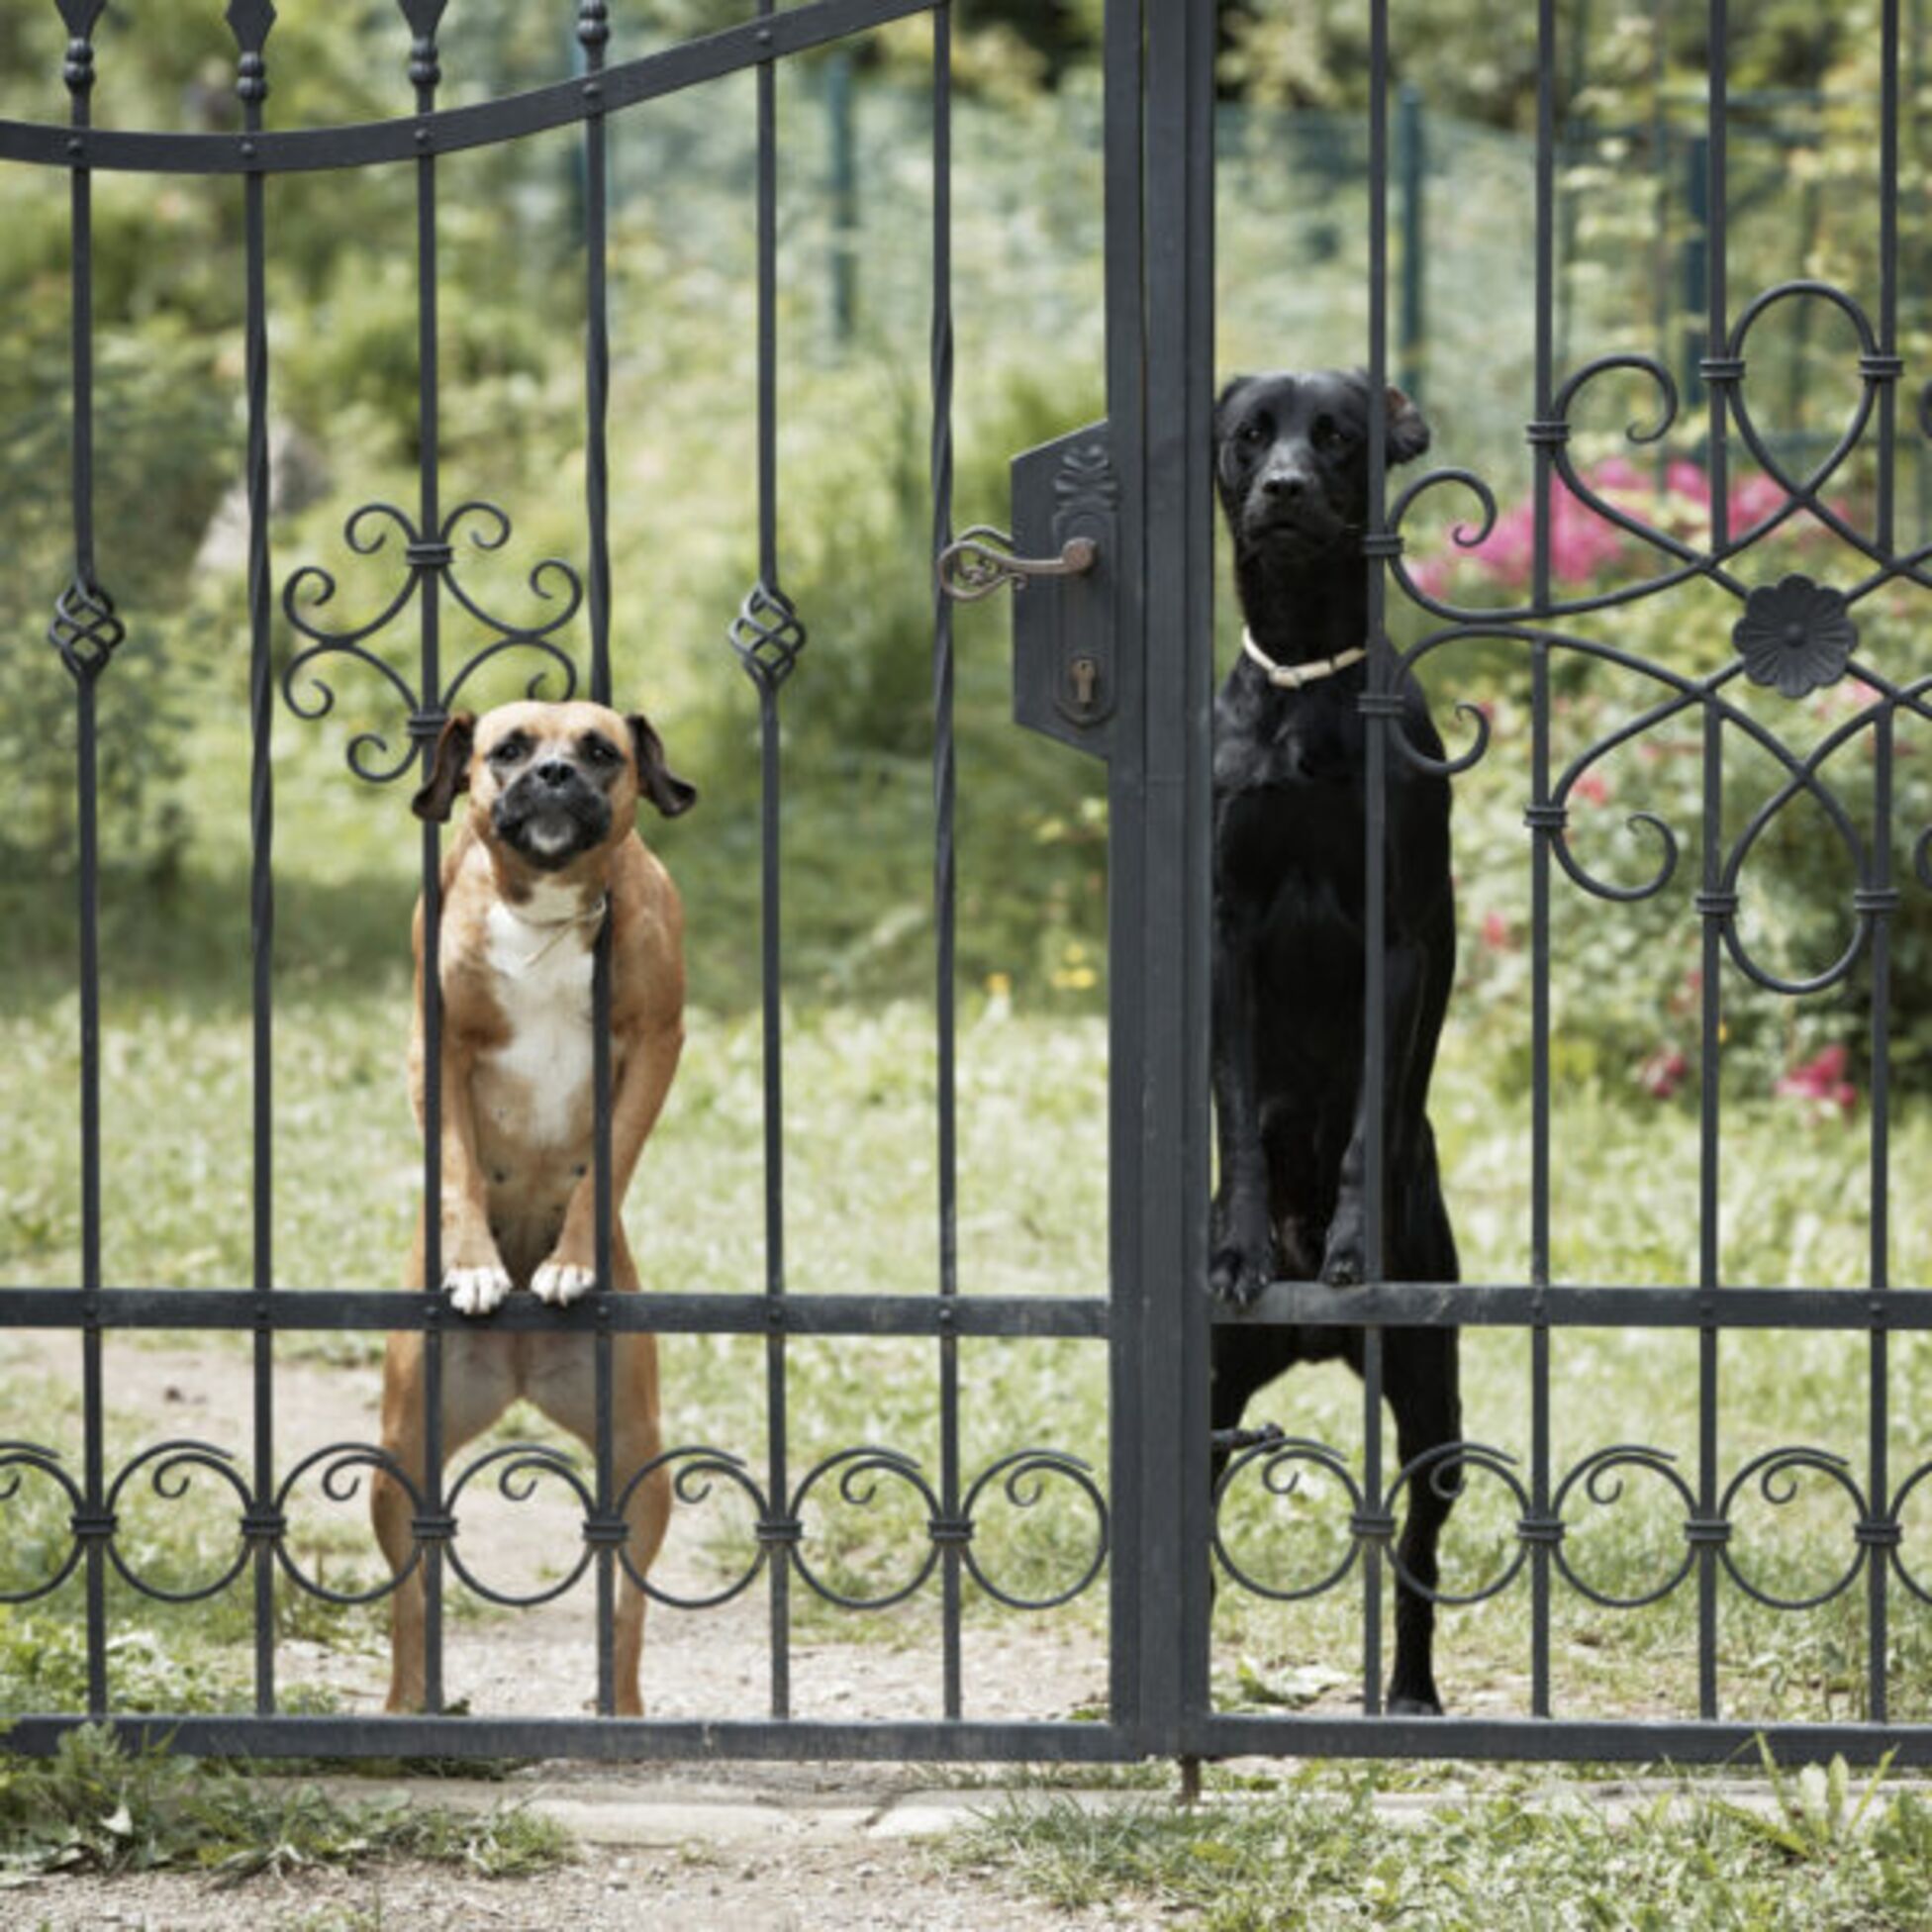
x=96 y=1806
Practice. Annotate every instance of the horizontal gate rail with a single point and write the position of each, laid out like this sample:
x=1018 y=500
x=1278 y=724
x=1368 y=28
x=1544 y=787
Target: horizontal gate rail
x=314 y=1311
x=610 y=1739
x=1516 y=1305
x=1564 y=1740
x=449 y=130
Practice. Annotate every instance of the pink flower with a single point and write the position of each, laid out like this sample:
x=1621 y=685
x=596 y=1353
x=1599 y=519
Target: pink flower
x=1592 y=787
x=1495 y=932
x=1820 y=1082
x=1662 y=1072
x=1752 y=501
x=1617 y=473
x=1683 y=478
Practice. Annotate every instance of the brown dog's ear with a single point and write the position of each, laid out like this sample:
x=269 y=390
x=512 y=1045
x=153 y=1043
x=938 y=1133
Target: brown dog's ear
x=656 y=779
x=1409 y=432
x=448 y=769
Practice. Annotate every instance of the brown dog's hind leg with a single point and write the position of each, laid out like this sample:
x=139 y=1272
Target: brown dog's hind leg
x=478 y=1385
x=636 y=1439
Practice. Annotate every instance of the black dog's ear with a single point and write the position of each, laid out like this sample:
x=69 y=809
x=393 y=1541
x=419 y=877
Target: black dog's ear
x=448 y=769
x=656 y=779
x=1409 y=429
x=1228 y=391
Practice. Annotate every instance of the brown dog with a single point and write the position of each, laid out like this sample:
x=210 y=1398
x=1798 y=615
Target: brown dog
x=551 y=840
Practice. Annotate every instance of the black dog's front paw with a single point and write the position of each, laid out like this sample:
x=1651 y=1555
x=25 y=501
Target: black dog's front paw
x=1342 y=1263
x=1428 y=1706
x=1236 y=1276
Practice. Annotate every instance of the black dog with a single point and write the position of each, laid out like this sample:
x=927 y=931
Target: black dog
x=1290 y=1090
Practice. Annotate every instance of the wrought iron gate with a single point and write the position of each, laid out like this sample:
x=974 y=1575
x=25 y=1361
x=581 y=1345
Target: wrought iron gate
x=1119 y=663
x=1156 y=173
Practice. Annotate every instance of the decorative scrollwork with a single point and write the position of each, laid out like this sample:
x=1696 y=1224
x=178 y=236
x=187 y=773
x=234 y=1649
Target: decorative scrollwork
x=1283 y=1461
x=1776 y=1472
x=693 y=1472
x=1793 y=635
x=1023 y=1475
x=171 y=1467
x=85 y=630
x=16 y=1461
x=1446 y=1469
x=1599 y=1478
x=768 y=635
x=1603 y=1485
x=520 y=1467
x=341 y=1464
x=859 y=1473
x=367 y=531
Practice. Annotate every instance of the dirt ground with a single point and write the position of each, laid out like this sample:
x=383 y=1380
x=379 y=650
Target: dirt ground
x=788 y=1866
x=696 y=1888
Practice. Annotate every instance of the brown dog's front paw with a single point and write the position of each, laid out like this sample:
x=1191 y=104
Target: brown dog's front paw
x=560 y=1283
x=477 y=1291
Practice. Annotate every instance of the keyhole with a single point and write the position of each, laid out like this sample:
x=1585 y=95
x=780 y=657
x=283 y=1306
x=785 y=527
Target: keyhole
x=1085 y=675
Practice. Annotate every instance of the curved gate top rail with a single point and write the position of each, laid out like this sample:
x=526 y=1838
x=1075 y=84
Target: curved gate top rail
x=449 y=130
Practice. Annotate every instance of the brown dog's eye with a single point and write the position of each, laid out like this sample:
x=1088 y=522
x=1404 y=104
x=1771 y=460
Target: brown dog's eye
x=601 y=751
x=509 y=751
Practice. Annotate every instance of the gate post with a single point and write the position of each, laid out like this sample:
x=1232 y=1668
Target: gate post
x=1160 y=396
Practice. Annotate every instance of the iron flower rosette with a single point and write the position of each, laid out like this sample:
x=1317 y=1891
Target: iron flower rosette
x=1796 y=634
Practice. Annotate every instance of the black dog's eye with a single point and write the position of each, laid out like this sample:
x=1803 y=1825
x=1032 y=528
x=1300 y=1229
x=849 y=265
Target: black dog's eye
x=601 y=751
x=1251 y=434
x=1328 y=434
x=510 y=750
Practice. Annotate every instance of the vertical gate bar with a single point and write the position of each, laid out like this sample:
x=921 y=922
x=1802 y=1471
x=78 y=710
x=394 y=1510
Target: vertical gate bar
x=1878 y=1420
x=1139 y=1619
x=1173 y=1098
x=1709 y=1256
x=944 y=780
x=1375 y=1016
x=775 y=1403
x=426 y=73
x=1660 y=162
x=1413 y=335
x=1541 y=832
x=78 y=73
x=251 y=84
x=1709 y=1246
x=1879 y=1483
x=593 y=31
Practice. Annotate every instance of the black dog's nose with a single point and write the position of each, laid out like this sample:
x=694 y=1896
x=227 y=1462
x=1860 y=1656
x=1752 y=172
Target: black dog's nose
x=1283 y=483
x=556 y=774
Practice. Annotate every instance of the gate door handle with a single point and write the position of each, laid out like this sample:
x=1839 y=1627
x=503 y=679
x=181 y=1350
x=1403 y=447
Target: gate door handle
x=1066 y=669
x=982 y=561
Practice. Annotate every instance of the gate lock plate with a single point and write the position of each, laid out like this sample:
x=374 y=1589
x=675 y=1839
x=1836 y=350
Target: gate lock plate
x=1066 y=497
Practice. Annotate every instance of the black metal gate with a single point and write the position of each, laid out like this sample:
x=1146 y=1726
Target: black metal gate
x=1117 y=661
x=1156 y=168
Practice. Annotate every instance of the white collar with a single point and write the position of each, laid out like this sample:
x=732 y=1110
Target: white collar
x=1292 y=677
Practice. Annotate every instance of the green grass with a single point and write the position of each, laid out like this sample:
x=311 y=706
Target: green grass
x=861 y=1199
x=97 y=1807
x=1528 y=1856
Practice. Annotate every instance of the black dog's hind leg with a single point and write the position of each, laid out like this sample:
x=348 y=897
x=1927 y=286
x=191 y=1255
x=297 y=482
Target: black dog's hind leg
x=1241 y=1256
x=1421 y=1378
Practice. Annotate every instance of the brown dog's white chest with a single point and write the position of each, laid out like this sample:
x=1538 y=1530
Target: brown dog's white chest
x=532 y=1085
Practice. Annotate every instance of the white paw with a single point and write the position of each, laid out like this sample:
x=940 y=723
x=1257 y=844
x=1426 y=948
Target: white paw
x=477 y=1291
x=559 y=1284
